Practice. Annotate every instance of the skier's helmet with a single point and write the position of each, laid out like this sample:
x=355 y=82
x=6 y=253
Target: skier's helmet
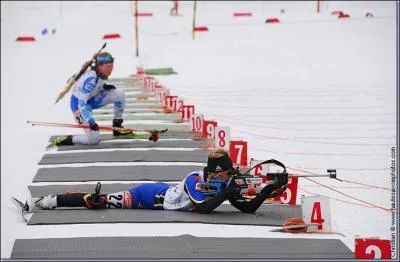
x=104 y=58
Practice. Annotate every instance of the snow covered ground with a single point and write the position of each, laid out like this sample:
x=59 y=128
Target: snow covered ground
x=313 y=91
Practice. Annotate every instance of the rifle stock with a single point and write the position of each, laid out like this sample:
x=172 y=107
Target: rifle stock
x=65 y=90
x=77 y=76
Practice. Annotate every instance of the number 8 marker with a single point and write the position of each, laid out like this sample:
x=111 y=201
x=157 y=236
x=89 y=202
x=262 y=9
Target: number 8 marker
x=222 y=137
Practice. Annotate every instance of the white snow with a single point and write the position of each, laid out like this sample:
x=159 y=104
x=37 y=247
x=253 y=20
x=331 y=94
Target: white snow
x=313 y=91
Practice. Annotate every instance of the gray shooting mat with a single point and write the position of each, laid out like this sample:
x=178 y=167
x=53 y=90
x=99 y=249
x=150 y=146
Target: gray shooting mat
x=179 y=247
x=115 y=173
x=140 y=104
x=120 y=79
x=150 y=155
x=168 y=134
x=165 y=117
x=266 y=215
x=132 y=143
x=127 y=88
x=127 y=111
x=139 y=95
x=38 y=191
x=156 y=124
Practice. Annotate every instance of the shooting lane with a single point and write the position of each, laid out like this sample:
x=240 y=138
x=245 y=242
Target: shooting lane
x=85 y=165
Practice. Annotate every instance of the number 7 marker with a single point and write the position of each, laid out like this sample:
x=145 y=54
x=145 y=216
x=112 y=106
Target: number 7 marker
x=238 y=152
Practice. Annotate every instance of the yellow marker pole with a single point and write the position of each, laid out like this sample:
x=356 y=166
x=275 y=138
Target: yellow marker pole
x=194 y=18
x=136 y=28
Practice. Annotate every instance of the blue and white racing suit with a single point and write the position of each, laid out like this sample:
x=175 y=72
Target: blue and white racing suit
x=88 y=94
x=160 y=196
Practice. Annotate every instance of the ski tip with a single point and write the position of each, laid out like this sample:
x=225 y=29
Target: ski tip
x=49 y=146
x=15 y=199
x=20 y=203
x=277 y=230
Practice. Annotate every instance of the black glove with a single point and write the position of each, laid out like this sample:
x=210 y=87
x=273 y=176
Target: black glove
x=154 y=135
x=94 y=126
x=108 y=87
x=232 y=191
x=80 y=119
x=280 y=180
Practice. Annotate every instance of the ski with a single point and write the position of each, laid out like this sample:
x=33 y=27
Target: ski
x=24 y=208
x=127 y=136
x=154 y=136
x=291 y=227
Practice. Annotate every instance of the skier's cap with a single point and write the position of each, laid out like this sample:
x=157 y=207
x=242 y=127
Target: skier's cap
x=219 y=164
x=104 y=58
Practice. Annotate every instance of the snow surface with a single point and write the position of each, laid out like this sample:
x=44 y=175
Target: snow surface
x=314 y=92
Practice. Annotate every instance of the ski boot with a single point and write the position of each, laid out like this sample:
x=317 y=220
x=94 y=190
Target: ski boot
x=44 y=202
x=117 y=123
x=61 y=141
x=96 y=200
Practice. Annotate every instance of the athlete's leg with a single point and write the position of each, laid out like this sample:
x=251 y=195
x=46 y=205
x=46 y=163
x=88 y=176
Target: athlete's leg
x=149 y=195
x=90 y=137
x=115 y=96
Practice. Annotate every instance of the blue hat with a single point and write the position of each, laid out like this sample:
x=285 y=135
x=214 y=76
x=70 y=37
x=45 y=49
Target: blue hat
x=104 y=58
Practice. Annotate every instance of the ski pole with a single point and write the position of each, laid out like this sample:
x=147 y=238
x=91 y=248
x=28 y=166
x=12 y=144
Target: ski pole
x=77 y=76
x=109 y=128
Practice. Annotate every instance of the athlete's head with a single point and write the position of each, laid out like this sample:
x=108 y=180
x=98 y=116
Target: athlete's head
x=104 y=64
x=219 y=165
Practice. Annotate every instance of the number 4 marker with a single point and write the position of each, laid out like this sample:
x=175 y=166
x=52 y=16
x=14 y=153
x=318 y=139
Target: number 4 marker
x=316 y=211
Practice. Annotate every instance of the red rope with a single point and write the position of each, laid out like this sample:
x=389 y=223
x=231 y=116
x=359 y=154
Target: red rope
x=348 y=181
x=318 y=154
x=340 y=200
x=346 y=168
x=362 y=184
x=311 y=141
x=246 y=121
x=357 y=199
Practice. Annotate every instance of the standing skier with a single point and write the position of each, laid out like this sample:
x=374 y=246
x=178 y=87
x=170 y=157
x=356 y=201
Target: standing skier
x=174 y=9
x=91 y=92
x=188 y=195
